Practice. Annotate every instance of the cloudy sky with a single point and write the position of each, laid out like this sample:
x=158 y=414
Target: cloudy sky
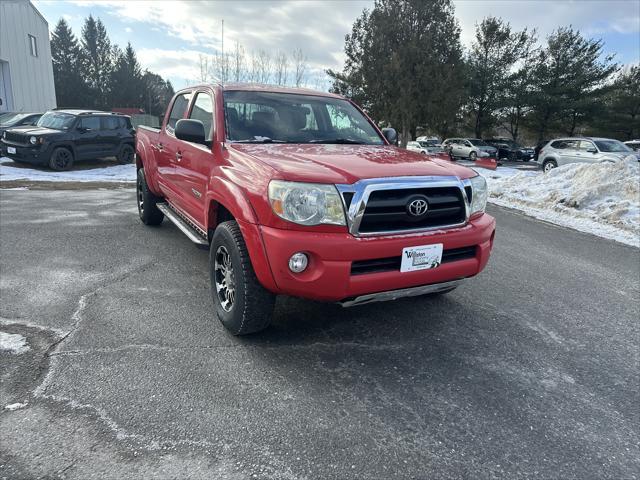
x=170 y=36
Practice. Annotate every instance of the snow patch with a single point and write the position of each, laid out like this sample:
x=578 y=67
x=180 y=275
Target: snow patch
x=15 y=406
x=115 y=173
x=602 y=198
x=13 y=343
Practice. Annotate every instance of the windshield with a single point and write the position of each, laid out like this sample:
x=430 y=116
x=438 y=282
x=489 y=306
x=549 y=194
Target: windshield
x=56 y=120
x=612 y=146
x=478 y=143
x=12 y=119
x=265 y=117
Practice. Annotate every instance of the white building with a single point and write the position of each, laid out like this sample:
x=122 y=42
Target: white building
x=26 y=72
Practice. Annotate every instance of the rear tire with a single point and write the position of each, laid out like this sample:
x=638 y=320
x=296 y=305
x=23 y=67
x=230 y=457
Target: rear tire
x=240 y=302
x=126 y=154
x=147 y=208
x=61 y=159
x=549 y=165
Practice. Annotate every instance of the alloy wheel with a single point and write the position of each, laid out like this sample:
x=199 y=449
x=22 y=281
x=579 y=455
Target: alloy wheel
x=225 y=279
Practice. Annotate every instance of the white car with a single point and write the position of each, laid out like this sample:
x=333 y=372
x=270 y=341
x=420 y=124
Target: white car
x=633 y=145
x=416 y=147
x=562 y=151
x=470 y=148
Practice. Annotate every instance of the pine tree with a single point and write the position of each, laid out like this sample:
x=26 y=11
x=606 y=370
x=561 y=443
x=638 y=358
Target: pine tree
x=403 y=58
x=98 y=61
x=71 y=89
x=127 y=85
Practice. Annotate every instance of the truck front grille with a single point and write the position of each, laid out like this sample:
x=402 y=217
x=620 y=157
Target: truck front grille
x=388 y=211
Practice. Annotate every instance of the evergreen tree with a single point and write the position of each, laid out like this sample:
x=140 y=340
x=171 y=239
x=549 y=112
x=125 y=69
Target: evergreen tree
x=98 y=61
x=493 y=54
x=622 y=116
x=157 y=93
x=571 y=75
x=71 y=89
x=403 y=58
x=127 y=86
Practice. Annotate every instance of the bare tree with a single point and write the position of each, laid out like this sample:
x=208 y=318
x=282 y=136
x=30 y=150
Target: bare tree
x=238 y=62
x=264 y=66
x=299 y=60
x=205 y=68
x=281 y=70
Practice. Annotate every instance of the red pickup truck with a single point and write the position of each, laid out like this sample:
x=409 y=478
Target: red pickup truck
x=297 y=192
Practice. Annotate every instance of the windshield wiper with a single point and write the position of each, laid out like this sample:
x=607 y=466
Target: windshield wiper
x=260 y=140
x=345 y=141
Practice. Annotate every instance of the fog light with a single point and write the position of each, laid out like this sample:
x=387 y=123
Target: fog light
x=298 y=262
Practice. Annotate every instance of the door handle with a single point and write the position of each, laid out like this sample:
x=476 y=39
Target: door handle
x=178 y=156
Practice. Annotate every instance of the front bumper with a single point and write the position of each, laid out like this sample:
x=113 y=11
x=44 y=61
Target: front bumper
x=329 y=276
x=36 y=154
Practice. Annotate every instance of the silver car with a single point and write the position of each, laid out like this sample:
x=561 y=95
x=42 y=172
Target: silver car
x=561 y=151
x=470 y=148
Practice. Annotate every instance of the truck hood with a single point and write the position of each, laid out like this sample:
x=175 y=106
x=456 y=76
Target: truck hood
x=346 y=164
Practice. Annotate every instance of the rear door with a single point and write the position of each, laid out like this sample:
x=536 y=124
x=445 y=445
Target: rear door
x=88 y=142
x=195 y=162
x=109 y=134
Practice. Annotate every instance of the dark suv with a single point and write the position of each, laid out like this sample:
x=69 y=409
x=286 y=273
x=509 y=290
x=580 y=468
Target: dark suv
x=63 y=136
x=510 y=150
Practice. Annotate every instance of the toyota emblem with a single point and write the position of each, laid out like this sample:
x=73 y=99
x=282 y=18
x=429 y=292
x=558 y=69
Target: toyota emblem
x=417 y=207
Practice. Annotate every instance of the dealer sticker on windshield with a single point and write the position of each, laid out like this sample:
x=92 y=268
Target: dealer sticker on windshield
x=421 y=258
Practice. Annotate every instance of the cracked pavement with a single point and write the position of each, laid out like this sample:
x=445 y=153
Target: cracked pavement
x=528 y=371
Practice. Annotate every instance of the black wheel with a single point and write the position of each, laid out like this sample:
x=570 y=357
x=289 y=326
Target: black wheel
x=241 y=304
x=61 y=159
x=147 y=208
x=473 y=156
x=549 y=165
x=126 y=154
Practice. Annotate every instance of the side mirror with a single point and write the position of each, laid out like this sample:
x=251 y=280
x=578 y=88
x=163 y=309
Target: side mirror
x=391 y=135
x=190 y=131
x=592 y=150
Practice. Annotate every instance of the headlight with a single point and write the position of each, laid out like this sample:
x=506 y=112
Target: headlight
x=306 y=203
x=478 y=194
x=33 y=140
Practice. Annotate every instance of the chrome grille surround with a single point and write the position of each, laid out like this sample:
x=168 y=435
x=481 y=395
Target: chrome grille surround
x=362 y=189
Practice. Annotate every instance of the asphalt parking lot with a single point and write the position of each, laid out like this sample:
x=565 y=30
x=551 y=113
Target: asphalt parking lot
x=528 y=371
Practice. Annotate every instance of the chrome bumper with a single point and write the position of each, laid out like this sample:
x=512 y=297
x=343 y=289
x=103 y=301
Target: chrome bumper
x=405 y=292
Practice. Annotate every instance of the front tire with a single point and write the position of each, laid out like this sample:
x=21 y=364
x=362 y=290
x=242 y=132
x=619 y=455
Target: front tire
x=549 y=165
x=147 y=202
x=61 y=159
x=241 y=304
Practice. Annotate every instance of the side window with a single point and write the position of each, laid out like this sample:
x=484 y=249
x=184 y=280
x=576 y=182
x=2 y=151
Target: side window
x=109 y=123
x=586 y=145
x=178 y=109
x=203 y=110
x=572 y=145
x=90 y=123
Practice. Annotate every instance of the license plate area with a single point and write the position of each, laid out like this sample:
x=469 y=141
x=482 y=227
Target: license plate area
x=11 y=150
x=423 y=257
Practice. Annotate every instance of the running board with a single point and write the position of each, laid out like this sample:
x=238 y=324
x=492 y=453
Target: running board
x=194 y=235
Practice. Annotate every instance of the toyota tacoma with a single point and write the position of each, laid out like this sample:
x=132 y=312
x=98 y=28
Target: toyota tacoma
x=297 y=192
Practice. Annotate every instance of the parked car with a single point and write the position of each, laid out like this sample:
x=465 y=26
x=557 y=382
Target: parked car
x=416 y=147
x=510 y=150
x=18 y=120
x=297 y=192
x=633 y=145
x=585 y=150
x=429 y=141
x=470 y=148
x=61 y=137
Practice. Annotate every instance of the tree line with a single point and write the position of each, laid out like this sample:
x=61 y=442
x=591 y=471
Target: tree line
x=406 y=65
x=91 y=72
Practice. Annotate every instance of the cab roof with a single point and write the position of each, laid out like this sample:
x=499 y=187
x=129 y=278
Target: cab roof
x=259 y=87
